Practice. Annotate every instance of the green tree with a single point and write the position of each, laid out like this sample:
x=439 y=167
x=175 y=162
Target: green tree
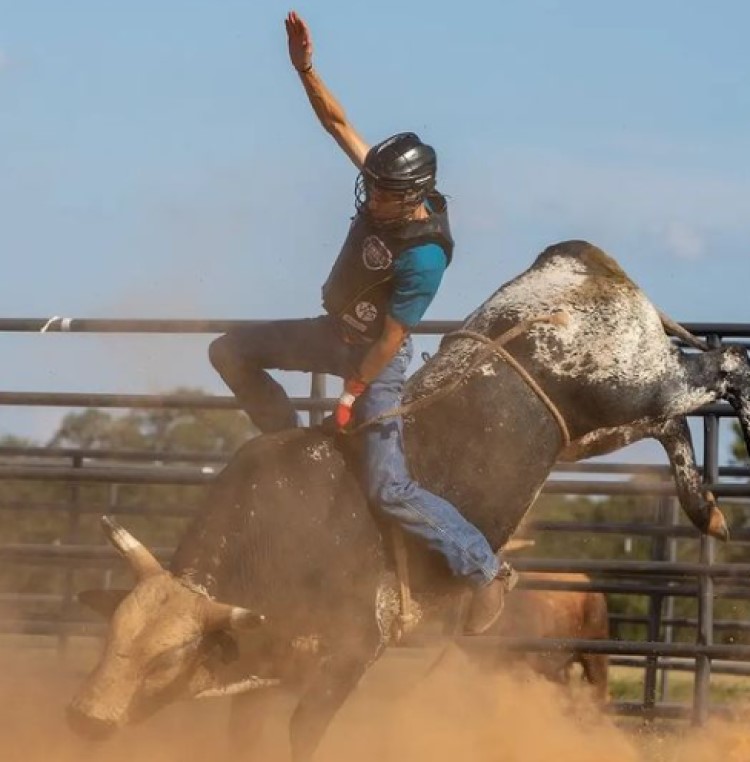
x=161 y=430
x=49 y=512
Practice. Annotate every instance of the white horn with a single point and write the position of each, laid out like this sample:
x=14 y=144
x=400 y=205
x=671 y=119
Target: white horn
x=222 y=616
x=135 y=553
x=252 y=683
x=514 y=545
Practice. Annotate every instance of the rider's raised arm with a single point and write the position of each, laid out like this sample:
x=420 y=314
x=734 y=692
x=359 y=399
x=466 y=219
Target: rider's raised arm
x=326 y=107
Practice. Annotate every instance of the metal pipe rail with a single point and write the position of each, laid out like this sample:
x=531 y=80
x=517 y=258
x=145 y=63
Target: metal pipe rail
x=645 y=530
x=70 y=554
x=617 y=647
x=631 y=587
x=139 y=456
x=640 y=569
x=176 y=511
x=634 y=568
x=188 y=476
x=205 y=402
x=718 y=666
x=738 y=625
x=195 y=456
x=172 y=326
x=102 y=556
x=161 y=325
x=186 y=456
x=144 y=401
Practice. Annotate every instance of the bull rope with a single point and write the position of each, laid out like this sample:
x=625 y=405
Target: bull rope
x=491 y=347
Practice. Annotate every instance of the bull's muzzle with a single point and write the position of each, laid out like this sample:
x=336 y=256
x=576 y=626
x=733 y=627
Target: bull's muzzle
x=93 y=728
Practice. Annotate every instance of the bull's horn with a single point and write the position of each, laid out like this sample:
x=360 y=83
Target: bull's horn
x=252 y=683
x=135 y=553
x=514 y=545
x=222 y=616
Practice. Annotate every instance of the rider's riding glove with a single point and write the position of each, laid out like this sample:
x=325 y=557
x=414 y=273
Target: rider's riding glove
x=353 y=387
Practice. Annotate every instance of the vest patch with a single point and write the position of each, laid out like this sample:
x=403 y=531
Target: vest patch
x=366 y=311
x=375 y=254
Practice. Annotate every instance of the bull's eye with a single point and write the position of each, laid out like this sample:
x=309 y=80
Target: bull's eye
x=172 y=657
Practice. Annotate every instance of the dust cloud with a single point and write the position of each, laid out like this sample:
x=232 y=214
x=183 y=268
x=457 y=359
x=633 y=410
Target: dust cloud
x=403 y=710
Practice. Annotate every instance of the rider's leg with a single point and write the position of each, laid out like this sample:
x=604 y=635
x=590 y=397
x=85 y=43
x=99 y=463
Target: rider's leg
x=243 y=355
x=417 y=511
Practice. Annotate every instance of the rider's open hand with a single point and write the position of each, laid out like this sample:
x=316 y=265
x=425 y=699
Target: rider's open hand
x=300 y=42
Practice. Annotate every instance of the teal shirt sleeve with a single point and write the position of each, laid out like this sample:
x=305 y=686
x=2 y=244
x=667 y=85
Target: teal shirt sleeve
x=417 y=275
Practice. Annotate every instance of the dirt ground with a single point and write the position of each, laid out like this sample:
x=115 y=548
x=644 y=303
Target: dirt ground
x=401 y=711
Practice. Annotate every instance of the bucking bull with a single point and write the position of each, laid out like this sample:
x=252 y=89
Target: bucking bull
x=566 y=361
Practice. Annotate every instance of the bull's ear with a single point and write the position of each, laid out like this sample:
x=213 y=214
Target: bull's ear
x=104 y=602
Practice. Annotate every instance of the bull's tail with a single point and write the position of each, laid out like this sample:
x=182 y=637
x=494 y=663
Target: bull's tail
x=673 y=328
x=596 y=627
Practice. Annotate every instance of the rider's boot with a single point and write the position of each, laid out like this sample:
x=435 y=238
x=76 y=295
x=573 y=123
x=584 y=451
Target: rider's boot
x=488 y=602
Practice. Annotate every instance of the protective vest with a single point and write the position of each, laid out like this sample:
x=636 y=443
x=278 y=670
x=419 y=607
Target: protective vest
x=359 y=287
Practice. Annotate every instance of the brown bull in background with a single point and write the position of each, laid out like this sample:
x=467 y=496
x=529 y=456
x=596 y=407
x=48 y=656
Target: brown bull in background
x=559 y=614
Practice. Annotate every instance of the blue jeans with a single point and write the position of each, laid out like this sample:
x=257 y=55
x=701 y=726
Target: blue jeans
x=315 y=345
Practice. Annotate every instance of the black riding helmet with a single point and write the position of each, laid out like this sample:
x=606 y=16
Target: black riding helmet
x=401 y=164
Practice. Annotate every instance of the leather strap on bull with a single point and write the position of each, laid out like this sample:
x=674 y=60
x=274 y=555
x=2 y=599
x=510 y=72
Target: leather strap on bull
x=491 y=347
x=495 y=346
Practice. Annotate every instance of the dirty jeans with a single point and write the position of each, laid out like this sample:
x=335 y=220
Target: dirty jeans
x=315 y=345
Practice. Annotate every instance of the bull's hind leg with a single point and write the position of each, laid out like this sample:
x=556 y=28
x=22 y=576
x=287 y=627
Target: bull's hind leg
x=674 y=435
x=698 y=503
x=341 y=668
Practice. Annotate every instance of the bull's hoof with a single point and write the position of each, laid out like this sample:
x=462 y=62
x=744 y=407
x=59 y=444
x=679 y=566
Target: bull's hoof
x=717 y=525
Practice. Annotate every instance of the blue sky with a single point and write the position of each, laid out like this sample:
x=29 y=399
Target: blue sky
x=159 y=159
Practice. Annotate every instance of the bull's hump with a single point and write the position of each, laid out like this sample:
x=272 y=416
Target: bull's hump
x=541 y=290
x=596 y=261
x=566 y=276
x=612 y=332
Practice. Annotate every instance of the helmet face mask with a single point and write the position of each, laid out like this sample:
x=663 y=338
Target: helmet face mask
x=396 y=177
x=383 y=206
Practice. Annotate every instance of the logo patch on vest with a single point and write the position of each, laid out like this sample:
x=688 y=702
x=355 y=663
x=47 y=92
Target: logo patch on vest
x=366 y=311
x=375 y=254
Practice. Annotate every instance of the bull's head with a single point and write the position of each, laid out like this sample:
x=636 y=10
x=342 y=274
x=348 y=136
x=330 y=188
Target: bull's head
x=735 y=370
x=165 y=641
